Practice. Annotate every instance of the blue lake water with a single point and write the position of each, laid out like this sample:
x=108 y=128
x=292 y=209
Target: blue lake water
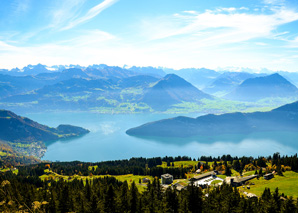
x=108 y=141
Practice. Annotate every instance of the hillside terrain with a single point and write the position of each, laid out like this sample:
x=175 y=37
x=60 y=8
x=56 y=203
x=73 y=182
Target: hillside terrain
x=136 y=186
x=27 y=136
x=9 y=157
x=254 y=89
x=284 y=118
x=172 y=90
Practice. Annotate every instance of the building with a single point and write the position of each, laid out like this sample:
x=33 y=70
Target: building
x=145 y=180
x=179 y=187
x=237 y=181
x=268 y=176
x=205 y=175
x=249 y=195
x=166 y=179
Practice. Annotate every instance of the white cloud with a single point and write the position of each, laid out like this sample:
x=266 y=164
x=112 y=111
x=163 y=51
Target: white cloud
x=214 y=25
x=261 y=43
x=274 y=2
x=4 y=47
x=92 y=37
x=21 y=6
x=64 y=11
x=229 y=9
x=293 y=43
x=94 y=11
x=190 y=11
x=244 y=8
x=187 y=39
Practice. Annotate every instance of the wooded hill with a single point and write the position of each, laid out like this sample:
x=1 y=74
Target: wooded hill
x=28 y=137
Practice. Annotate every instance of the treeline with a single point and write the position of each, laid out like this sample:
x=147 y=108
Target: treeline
x=111 y=167
x=30 y=194
x=151 y=166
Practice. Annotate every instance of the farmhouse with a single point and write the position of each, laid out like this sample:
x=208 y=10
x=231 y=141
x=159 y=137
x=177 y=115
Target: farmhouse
x=268 y=176
x=166 y=179
x=205 y=175
x=145 y=180
x=237 y=181
x=179 y=186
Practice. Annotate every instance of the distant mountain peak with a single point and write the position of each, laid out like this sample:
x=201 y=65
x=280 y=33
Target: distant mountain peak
x=170 y=90
x=270 y=86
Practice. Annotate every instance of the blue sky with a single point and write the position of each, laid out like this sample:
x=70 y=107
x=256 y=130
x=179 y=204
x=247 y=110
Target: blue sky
x=168 y=33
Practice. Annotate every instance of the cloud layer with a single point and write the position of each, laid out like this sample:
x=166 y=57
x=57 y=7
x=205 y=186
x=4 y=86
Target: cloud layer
x=263 y=35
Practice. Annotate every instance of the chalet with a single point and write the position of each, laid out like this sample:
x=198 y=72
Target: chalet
x=238 y=181
x=205 y=175
x=268 y=176
x=179 y=186
x=249 y=195
x=166 y=179
x=145 y=180
x=198 y=171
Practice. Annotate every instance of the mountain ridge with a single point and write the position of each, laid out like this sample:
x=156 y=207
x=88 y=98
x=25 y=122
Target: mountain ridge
x=284 y=118
x=20 y=132
x=271 y=86
x=170 y=90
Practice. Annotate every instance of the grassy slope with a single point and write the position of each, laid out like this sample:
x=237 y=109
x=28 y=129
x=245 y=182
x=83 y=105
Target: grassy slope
x=128 y=177
x=286 y=184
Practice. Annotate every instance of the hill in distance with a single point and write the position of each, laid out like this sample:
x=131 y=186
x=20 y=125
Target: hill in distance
x=284 y=118
x=20 y=132
x=197 y=77
x=226 y=82
x=170 y=90
x=271 y=86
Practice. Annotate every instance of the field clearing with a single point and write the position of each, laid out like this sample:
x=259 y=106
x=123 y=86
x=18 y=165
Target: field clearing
x=286 y=184
x=130 y=178
x=179 y=164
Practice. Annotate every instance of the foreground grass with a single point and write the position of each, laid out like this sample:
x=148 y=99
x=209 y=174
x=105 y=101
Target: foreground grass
x=286 y=184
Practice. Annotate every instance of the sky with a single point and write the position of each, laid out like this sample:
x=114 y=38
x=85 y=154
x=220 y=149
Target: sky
x=214 y=34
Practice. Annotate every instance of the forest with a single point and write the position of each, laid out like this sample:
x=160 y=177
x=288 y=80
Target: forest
x=30 y=194
x=27 y=192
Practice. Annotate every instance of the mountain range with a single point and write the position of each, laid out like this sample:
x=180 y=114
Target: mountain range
x=284 y=118
x=105 y=88
x=75 y=89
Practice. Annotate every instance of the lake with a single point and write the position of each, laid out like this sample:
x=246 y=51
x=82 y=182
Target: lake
x=107 y=139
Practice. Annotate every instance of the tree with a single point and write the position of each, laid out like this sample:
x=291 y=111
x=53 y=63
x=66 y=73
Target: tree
x=133 y=198
x=261 y=172
x=109 y=201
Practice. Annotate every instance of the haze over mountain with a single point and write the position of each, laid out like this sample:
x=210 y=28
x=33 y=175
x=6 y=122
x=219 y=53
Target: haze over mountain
x=226 y=82
x=156 y=72
x=11 y=85
x=170 y=90
x=284 y=118
x=28 y=70
x=101 y=87
x=197 y=77
x=271 y=86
